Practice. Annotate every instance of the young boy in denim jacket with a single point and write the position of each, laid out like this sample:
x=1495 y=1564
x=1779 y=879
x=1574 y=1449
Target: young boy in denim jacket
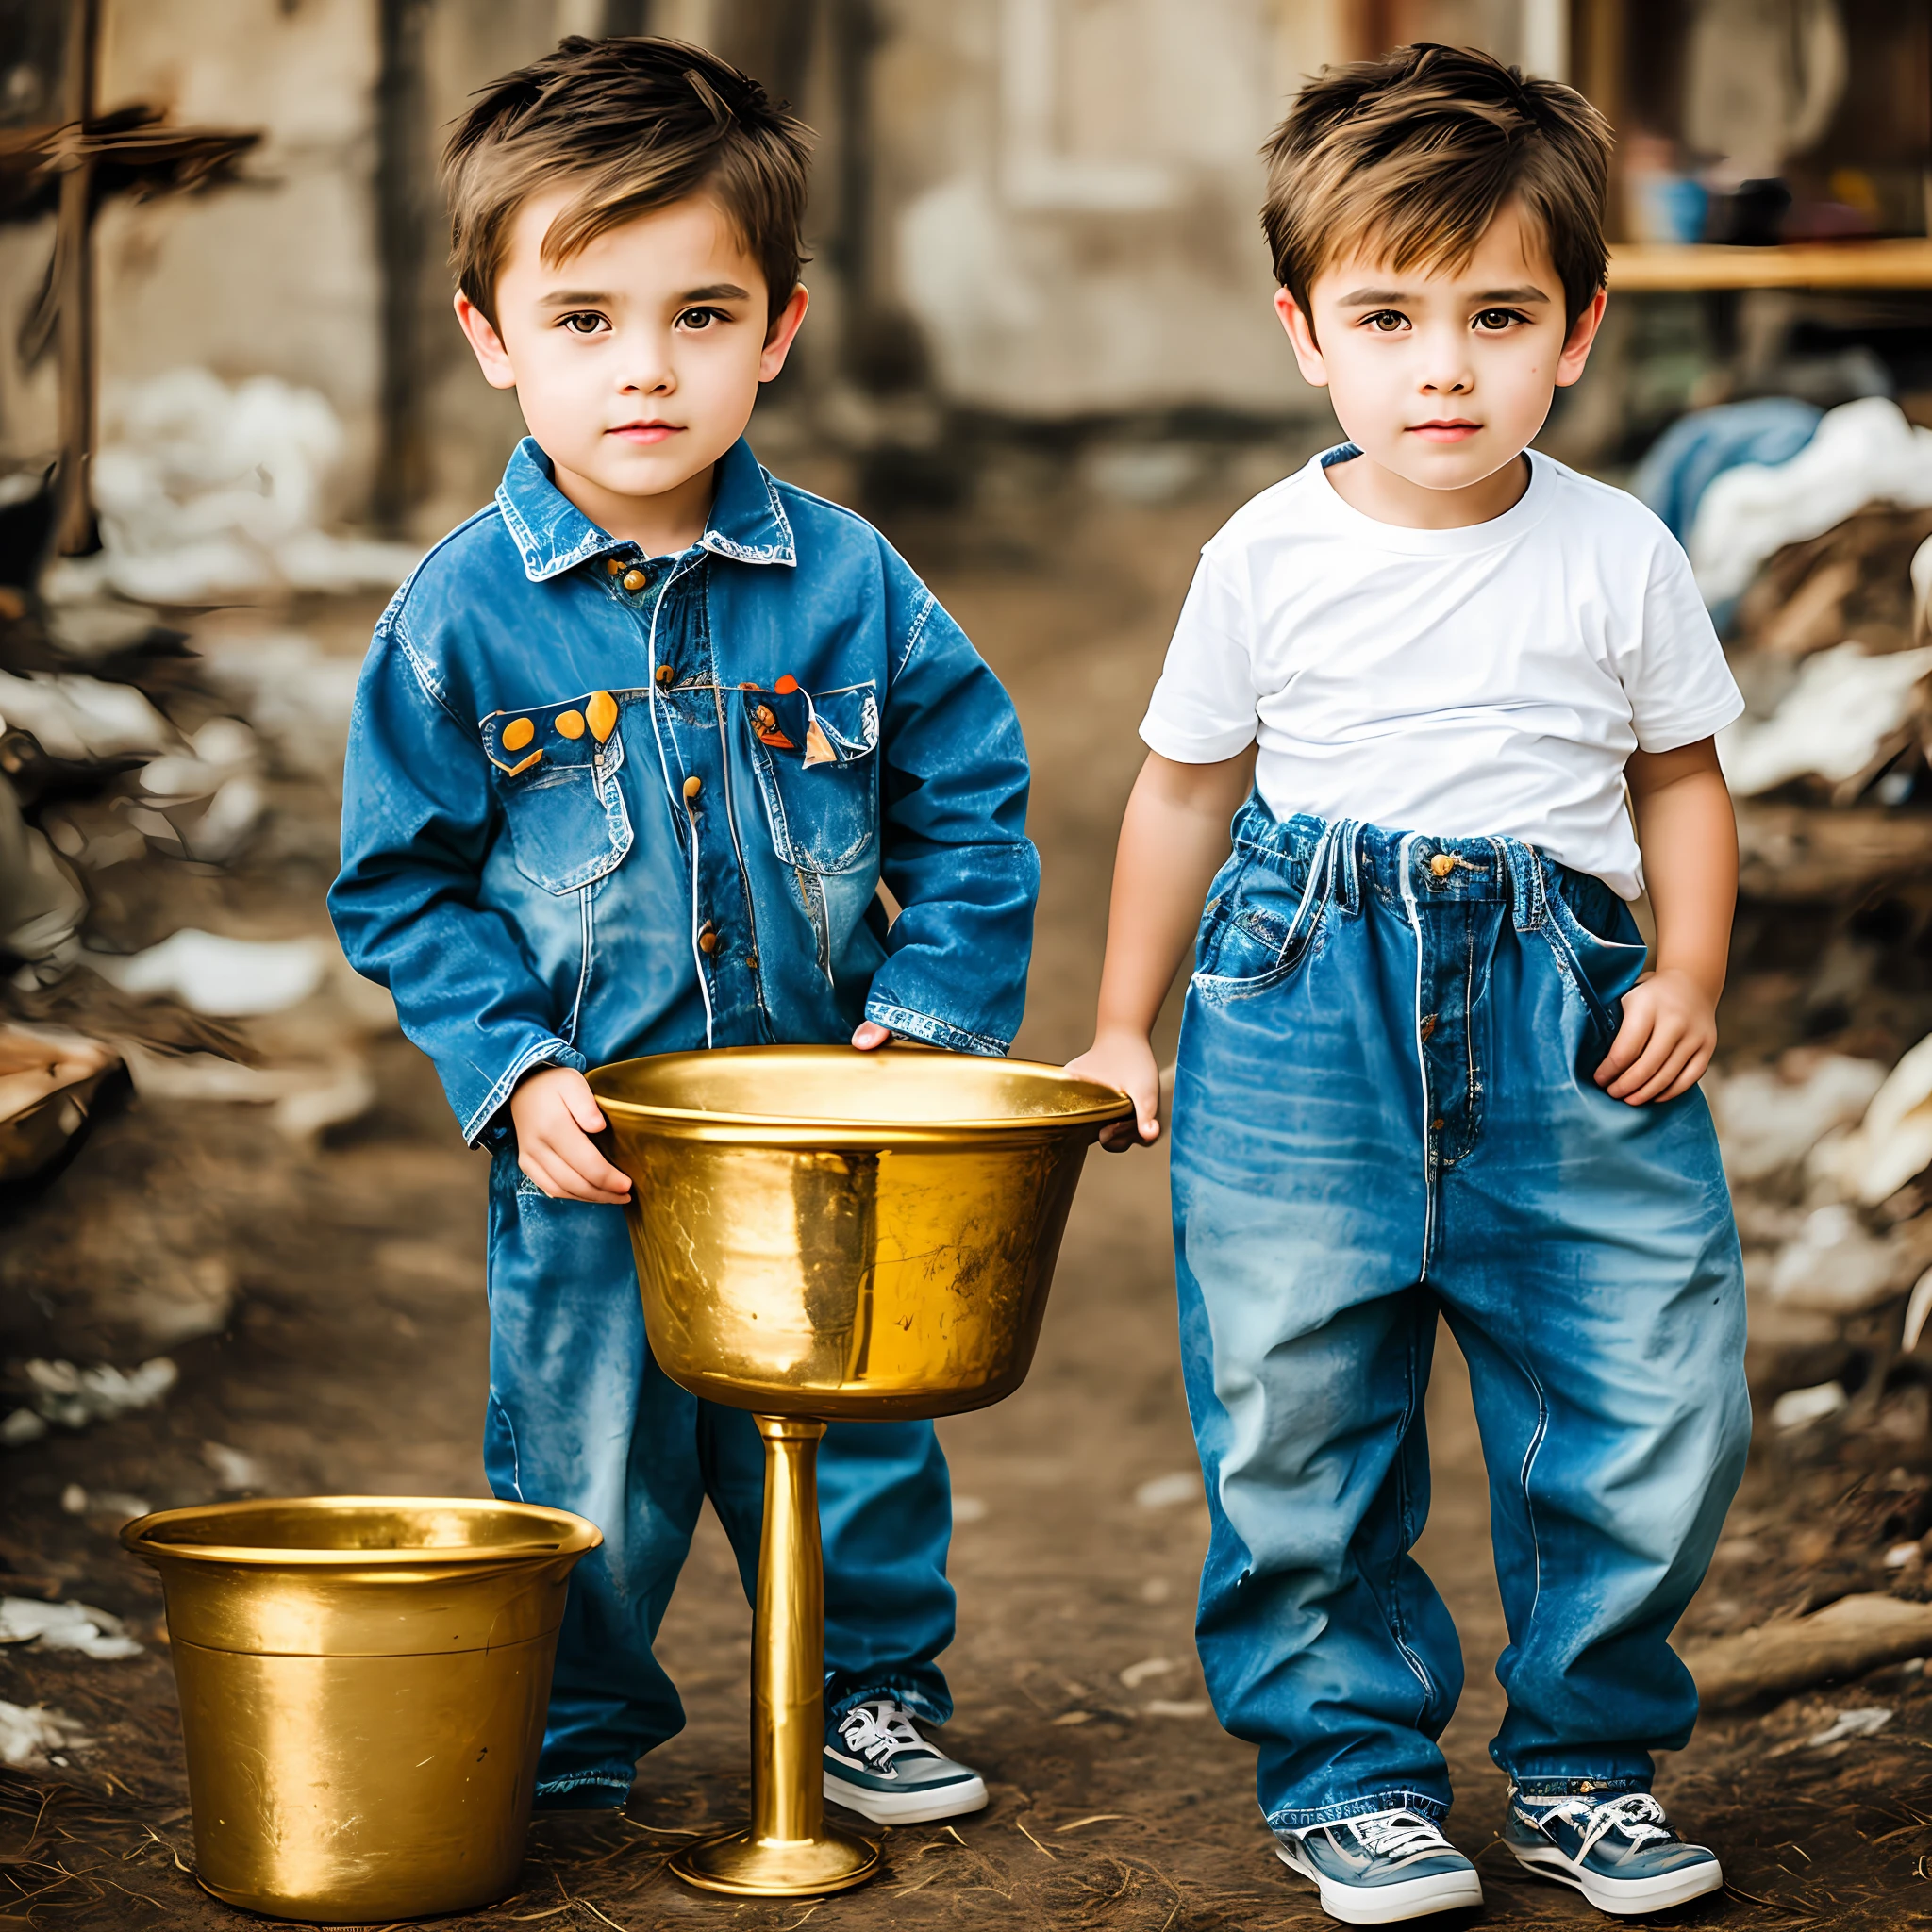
x=1421 y=1068
x=634 y=748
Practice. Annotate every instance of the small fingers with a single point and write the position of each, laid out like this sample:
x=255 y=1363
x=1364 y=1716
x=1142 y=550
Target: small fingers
x=869 y=1034
x=1663 y=1041
x=1632 y=1037
x=581 y=1103
x=1678 y=1072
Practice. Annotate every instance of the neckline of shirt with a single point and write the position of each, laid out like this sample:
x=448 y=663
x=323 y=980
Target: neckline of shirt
x=1466 y=540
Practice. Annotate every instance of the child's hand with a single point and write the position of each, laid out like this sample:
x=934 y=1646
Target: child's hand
x=1665 y=1042
x=556 y=1113
x=869 y=1034
x=1125 y=1060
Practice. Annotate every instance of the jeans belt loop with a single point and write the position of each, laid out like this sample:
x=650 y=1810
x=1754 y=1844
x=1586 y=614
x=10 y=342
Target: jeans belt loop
x=1530 y=905
x=1349 y=895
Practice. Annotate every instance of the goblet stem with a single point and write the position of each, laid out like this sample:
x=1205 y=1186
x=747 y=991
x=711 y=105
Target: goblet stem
x=788 y=1668
x=789 y=1852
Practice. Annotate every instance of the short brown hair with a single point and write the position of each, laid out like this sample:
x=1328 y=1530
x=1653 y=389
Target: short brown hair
x=638 y=123
x=1415 y=152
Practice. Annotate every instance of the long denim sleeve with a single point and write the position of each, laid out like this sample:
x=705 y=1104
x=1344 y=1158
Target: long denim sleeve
x=954 y=851
x=419 y=820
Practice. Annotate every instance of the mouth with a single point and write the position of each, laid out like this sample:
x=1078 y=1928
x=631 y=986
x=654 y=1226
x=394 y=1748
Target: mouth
x=1447 y=429
x=645 y=432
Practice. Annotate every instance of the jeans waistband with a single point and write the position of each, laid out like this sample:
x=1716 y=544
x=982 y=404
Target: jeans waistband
x=1342 y=858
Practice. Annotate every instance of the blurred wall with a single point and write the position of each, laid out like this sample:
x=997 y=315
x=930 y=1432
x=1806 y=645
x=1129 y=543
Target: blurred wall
x=1034 y=209
x=1068 y=192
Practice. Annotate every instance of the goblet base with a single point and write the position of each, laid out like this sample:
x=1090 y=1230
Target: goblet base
x=749 y=1867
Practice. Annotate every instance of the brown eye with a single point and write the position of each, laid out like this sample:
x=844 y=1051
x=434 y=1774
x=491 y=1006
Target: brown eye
x=585 y=323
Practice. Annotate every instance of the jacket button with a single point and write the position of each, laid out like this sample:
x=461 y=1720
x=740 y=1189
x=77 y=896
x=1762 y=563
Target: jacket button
x=517 y=734
x=665 y=674
x=600 y=714
x=613 y=564
x=634 y=580
x=1442 y=864
x=751 y=959
x=570 y=723
x=768 y=719
x=708 y=938
x=692 y=786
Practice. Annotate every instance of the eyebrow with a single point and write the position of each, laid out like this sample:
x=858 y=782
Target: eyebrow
x=598 y=298
x=1365 y=298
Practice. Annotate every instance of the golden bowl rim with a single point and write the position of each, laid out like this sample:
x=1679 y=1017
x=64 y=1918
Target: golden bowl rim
x=841 y=1133
x=578 y=1535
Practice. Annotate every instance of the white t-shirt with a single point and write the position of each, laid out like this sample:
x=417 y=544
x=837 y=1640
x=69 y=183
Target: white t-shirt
x=1464 y=683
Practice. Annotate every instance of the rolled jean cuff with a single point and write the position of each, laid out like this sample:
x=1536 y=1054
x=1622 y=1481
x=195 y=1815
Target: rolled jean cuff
x=927 y=1709
x=582 y=1790
x=1423 y=1803
x=1578 y=1787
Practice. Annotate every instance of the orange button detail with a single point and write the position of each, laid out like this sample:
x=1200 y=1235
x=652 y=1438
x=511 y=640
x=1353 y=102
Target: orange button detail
x=571 y=724
x=1442 y=864
x=692 y=786
x=634 y=580
x=601 y=715
x=517 y=734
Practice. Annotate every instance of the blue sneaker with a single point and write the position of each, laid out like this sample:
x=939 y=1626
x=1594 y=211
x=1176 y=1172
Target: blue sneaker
x=1618 y=1851
x=878 y=1765
x=1381 y=1868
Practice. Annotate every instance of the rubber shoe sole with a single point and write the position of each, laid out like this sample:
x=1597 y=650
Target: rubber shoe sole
x=919 y=1804
x=1624 y=1898
x=1388 y=1904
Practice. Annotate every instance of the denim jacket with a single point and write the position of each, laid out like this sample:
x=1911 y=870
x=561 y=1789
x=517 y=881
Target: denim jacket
x=600 y=805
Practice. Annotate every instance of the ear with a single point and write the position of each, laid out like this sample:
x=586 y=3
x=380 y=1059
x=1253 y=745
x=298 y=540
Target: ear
x=1577 y=343
x=782 y=334
x=1301 y=335
x=491 y=356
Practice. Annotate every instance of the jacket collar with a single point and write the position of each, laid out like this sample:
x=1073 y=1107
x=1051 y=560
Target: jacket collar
x=552 y=535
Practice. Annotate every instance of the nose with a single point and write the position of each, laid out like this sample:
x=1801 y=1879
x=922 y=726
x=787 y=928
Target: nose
x=645 y=368
x=1444 y=365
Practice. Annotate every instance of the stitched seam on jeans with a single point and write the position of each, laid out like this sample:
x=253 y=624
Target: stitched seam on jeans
x=1529 y=1456
x=516 y=1460
x=576 y=1005
x=1392 y=1614
x=1422 y=1063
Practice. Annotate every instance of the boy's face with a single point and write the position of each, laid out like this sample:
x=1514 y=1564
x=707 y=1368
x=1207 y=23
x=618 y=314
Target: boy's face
x=636 y=362
x=1444 y=375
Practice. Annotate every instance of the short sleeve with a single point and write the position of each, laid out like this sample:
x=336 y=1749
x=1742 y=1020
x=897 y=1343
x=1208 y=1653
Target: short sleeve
x=1674 y=674
x=1204 y=707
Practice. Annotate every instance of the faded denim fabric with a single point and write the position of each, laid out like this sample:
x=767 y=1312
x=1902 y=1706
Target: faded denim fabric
x=1384 y=1109
x=600 y=805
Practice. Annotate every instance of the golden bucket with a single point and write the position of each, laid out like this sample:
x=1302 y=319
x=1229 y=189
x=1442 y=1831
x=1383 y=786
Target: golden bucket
x=363 y=1681
x=826 y=1233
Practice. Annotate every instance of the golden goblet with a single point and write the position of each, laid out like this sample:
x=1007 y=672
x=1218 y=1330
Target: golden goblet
x=823 y=1234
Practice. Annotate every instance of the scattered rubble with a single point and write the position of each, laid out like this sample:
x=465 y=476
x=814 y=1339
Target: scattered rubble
x=207 y=491
x=66 y=1626
x=32 y=1736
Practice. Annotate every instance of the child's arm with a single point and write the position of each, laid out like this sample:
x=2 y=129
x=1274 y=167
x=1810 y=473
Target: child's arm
x=1689 y=835
x=1172 y=841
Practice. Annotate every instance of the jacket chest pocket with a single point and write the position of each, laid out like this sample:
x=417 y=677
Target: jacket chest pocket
x=562 y=804
x=816 y=757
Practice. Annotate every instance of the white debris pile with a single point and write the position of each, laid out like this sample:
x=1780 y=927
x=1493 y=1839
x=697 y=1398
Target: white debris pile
x=209 y=491
x=296 y=694
x=1830 y=1162
x=32 y=1736
x=67 y=1397
x=65 y=1626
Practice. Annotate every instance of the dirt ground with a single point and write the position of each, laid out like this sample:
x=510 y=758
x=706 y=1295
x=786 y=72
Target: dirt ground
x=356 y=1361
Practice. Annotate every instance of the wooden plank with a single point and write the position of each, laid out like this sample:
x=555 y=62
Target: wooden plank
x=1640 y=268
x=73 y=271
x=1797 y=855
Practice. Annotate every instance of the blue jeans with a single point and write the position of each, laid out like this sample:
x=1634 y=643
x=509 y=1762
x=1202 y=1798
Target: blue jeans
x=582 y=1418
x=1384 y=1110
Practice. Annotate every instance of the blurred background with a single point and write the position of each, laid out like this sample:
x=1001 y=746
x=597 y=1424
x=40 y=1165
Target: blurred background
x=240 y=1244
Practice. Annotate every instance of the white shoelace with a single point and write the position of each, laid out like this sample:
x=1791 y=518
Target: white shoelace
x=1636 y=1814
x=878 y=1732
x=1397 y=1835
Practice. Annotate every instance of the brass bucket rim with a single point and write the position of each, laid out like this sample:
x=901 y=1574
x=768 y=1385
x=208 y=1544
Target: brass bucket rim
x=576 y=1536
x=777 y=1129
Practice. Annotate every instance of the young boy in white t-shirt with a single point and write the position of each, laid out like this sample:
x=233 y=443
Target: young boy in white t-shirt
x=1423 y=1070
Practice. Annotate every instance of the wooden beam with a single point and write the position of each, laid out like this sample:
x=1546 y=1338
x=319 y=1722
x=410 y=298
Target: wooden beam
x=1650 y=267
x=73 y=284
